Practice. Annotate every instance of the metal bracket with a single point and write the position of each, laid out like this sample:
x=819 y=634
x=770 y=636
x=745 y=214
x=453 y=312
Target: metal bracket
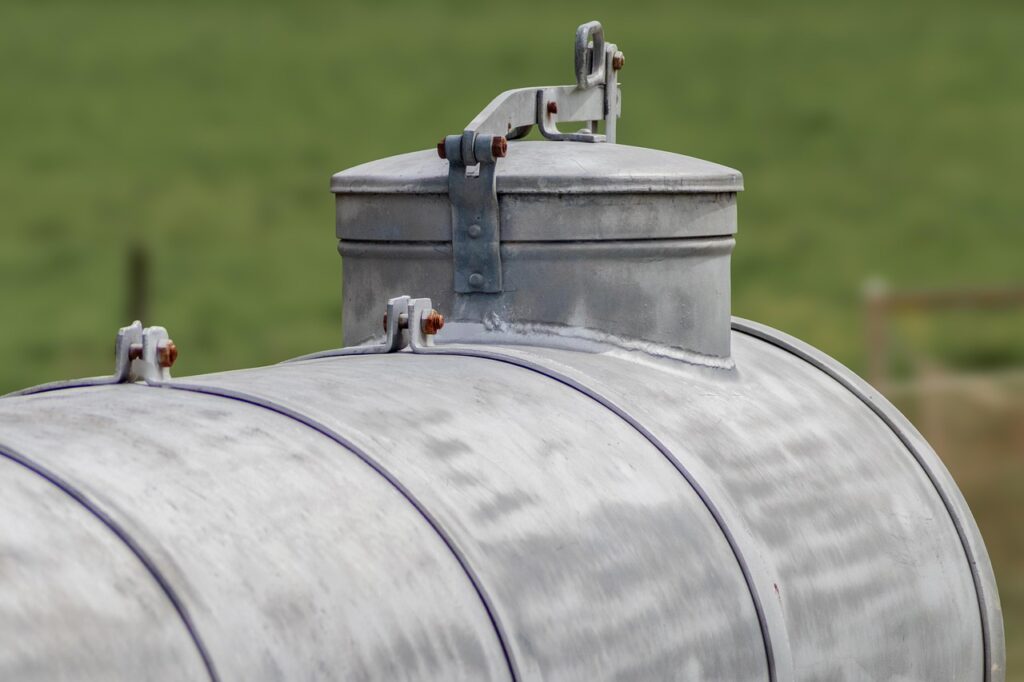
x=472 y=156
x=407 y=322
x=140 y=354
x=476 y=230
x=150 y=353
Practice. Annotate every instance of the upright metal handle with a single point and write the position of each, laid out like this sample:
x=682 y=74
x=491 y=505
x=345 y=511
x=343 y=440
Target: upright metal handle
x=590 y=62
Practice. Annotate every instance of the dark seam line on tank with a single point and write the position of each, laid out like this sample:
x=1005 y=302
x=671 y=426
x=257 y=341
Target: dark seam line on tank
x=620 y=412
x=820 y=361
x=324 y=430
x=62 y=385
x=136 y=549
x=714 y=241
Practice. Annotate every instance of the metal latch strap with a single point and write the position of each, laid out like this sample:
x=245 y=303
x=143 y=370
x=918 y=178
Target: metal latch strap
x=476 y=228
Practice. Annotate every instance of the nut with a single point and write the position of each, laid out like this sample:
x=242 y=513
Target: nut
x=552 y=107
x=166 y=353
x=432 y=322
x=441 y=151
x=499 y=146
x=618 y=61
x=135 y=351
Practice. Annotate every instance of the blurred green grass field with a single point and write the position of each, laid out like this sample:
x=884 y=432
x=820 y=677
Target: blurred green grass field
x=876 y=139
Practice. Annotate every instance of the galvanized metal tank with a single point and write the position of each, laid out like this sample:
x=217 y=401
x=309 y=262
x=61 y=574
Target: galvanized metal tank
x=590 y=472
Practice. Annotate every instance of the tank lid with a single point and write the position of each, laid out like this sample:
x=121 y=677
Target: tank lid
x=535 y=167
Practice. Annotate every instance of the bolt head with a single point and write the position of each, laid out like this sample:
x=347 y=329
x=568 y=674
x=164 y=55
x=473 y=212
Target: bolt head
x=618 y=61
x=474 y=231
x=499 y=146
x=476 y=280
x=552 y=107
x=166 y=353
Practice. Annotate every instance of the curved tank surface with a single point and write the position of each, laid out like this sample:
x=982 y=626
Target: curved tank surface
x=585 y=470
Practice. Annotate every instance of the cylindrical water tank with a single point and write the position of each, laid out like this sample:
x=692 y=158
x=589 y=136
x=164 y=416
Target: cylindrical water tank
x=590 y=472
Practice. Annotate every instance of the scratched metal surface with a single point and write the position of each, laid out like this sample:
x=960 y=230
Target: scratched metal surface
x=294 y=558
x=629 y=241
x=600 y=560
x=75 y=603
x=848 y=532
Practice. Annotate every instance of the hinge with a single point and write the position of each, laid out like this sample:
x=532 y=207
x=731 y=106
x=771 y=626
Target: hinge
x=472 y=156
x=476 y=228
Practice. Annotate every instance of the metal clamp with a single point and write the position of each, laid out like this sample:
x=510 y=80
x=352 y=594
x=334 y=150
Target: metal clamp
x=140 y=354
x=472 y=156
x=408 y=322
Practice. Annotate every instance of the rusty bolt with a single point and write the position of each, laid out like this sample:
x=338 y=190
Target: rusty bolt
x=552 y=107
x=441 y=151
x=135 y=351
x=499 y=146
x=166 y=353
x=432 y=322
x=403 y=321
x=618 y=61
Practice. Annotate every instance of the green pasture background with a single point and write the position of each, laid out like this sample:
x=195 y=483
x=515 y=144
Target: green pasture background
x=878 y=139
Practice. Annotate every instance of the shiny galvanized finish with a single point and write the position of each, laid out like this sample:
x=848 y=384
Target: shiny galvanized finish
x=75 y=602
x=674 y=289
x=599 y=238
x=585 y=553
x=590 y=473
x=600 y=561
x=993 y=636
x=293 y=558
x=866 y=548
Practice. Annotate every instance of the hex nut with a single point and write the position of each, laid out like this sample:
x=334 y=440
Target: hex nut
x=552 y=107
x=618 y=61
x=441 y=151
x=432 y=322
x=166 y=353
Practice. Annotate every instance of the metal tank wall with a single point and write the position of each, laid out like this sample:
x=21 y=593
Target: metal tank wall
x=493 y=512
